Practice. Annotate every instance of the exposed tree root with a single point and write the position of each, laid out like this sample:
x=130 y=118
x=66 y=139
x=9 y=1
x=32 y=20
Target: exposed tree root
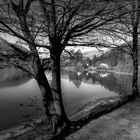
x=91 y=111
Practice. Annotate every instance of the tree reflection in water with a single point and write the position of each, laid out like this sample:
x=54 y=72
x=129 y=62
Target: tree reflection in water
x=118 y=83
x=75 y=77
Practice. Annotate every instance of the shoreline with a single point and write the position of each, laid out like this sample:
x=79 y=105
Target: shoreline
x=96 y=70
x=89 y=112
x=31 y=126
x=22 y=128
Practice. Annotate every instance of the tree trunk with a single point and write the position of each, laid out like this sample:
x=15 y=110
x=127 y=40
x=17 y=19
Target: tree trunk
x=60 y=118
x=135 y=62
x=52 y=101
x=46 y=93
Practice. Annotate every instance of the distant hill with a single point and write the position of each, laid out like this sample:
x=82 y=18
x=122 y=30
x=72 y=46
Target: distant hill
x=9 y=51
x=12 y=53
x=8 y=48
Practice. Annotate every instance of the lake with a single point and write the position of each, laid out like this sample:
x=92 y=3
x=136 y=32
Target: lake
x=20 y=98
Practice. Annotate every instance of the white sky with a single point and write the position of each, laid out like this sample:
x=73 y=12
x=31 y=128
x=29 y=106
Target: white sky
x=12 y=39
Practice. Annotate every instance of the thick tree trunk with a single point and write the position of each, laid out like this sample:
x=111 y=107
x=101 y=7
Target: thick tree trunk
x=46 y=93
x=51 y=99
x=135 y=62
x=60 y=118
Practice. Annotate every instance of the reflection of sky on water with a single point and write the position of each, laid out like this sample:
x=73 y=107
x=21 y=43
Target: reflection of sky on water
x=78 y=88
x=74 y=97
x=11 y=98
x=24 y=90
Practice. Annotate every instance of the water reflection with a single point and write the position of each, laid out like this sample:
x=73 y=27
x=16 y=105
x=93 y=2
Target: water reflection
x=19 y=103
x=18 y=92
x=121 y=84
x=81 y=87
x=13 y=77
x=75 y=77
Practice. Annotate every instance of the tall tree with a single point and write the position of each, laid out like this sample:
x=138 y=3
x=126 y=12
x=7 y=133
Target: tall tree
x=60 y=22
x=66 y=21
x=135 y=25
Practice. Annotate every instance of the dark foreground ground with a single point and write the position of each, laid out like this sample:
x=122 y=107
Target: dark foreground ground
x=121 y=124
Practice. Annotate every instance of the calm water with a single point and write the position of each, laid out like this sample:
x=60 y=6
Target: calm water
x=20 y=99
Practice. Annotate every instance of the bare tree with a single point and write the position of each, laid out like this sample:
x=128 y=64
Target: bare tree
x=135 y=25
x=66 y=22
x=59 y=22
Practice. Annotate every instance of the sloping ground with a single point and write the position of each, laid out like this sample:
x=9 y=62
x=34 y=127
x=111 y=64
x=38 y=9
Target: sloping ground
x=121 y=124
